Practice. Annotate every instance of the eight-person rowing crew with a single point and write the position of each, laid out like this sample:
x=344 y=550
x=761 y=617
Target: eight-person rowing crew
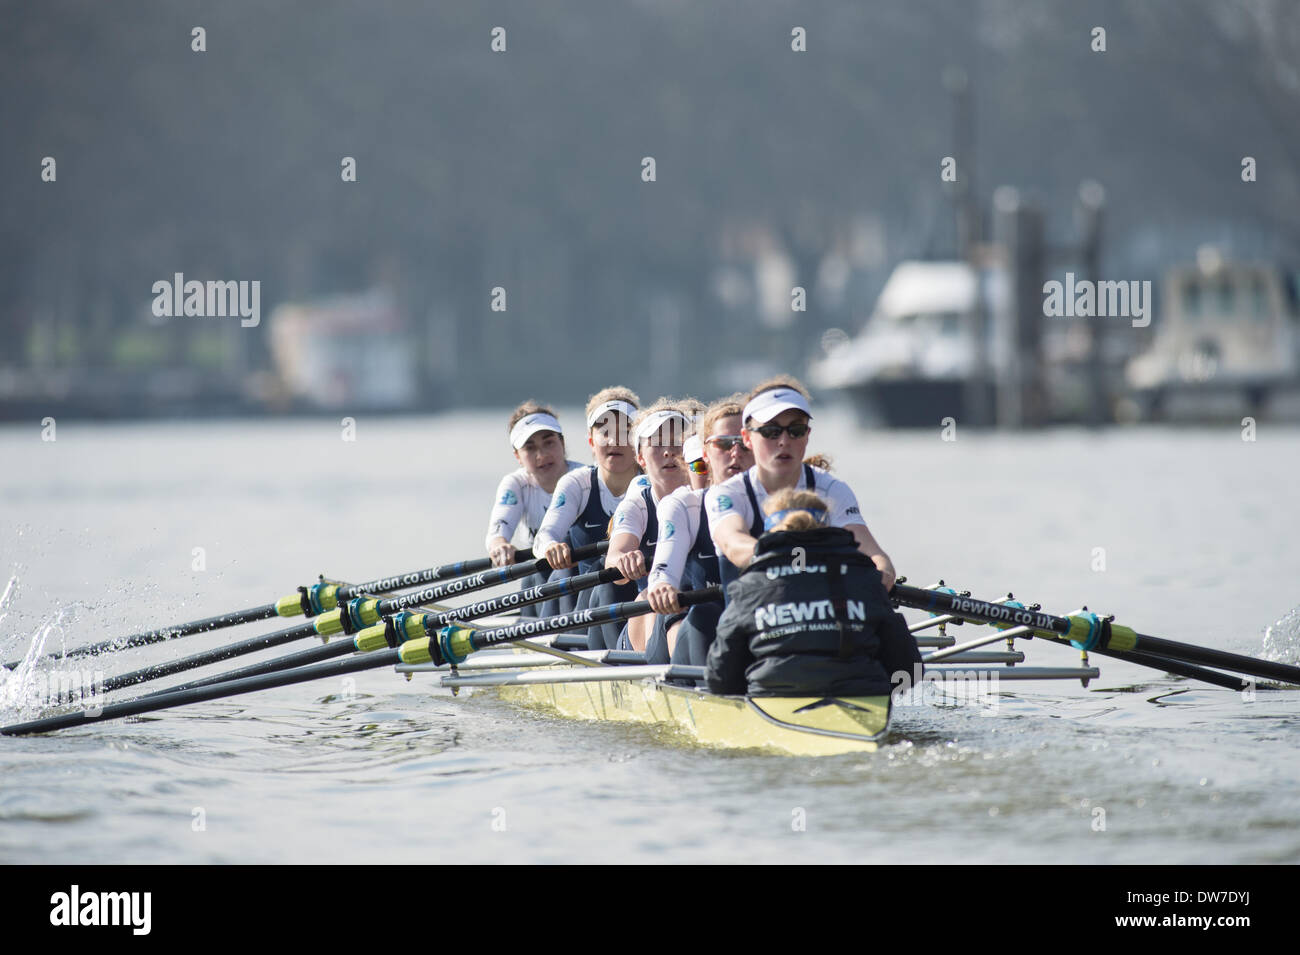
x=689 y=496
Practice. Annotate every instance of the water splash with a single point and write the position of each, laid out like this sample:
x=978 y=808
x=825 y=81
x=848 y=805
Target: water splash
x=1282 y=639
x=27 y=689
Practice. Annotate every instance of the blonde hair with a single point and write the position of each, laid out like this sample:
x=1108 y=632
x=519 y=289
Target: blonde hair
x=800 y=501
x=722 y=408
x=694 y=409
x=613 y=393
x=822 y=461
x=524 y=410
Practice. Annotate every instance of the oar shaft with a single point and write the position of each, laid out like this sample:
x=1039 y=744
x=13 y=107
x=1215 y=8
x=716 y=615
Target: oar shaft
x=1061 y=628
x=1178 y=668
x=167 y=633
x=483 y=608
x=329 y=622
x=1266 y=669
x=291 y=606
x=326 y=651
x=463 y=568
x=172 y=698
x=195 y=660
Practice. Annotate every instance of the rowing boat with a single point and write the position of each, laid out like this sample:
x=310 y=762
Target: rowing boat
x=799 y=726
x=603 y=686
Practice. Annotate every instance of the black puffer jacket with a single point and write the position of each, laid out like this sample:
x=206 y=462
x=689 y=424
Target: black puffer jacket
x=809 y=622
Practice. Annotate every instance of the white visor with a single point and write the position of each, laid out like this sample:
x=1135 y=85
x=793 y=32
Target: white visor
x=648 y=428
x=693 y=449
x=529 y=425
x=771 y=403
x=622 y=407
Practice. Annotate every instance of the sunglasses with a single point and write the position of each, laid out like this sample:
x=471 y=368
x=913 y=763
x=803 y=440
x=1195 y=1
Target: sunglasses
x=725 y=442
x=698 y=467
x=795 y=429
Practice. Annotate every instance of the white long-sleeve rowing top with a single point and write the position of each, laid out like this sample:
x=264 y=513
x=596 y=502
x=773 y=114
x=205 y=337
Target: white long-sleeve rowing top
x=680 y=514
x=519 y=507
x=570 y=500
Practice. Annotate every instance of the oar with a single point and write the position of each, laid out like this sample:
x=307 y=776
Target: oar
x=1095 y=634
x=310 y=601
x=459 y=642
x=399 y=631
x=355 y=613
x=420 y=650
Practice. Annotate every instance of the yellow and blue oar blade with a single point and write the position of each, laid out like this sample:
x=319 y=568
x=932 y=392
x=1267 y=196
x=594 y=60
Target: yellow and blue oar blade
x=1094 y=634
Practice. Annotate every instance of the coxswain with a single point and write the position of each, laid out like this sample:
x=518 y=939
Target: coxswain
x=809 y=615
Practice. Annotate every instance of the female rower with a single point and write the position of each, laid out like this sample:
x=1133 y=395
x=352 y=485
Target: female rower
x=776 y=428
x=685 y=558
x=658 y=434
x=810 y=616
x=525 y=493
x=585 y=499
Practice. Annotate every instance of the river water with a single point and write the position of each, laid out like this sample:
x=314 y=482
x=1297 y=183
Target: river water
x=110 y=529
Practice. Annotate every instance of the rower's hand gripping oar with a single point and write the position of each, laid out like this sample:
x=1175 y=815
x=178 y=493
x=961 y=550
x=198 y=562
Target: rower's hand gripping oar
x=457 y=642
x=308 y=601
x=429 y=649
x=356 y=612
x=1095 y=634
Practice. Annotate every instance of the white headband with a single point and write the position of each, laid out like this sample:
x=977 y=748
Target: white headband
x=529 y=425
x=693 y=449
x=653 y=422
x=769 y=404
x=622 y=407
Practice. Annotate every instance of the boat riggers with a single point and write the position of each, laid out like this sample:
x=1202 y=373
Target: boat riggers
x=1093 y=634
x=451 y=644
x=398 y=628
x=357 y=612
x=310 y=601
